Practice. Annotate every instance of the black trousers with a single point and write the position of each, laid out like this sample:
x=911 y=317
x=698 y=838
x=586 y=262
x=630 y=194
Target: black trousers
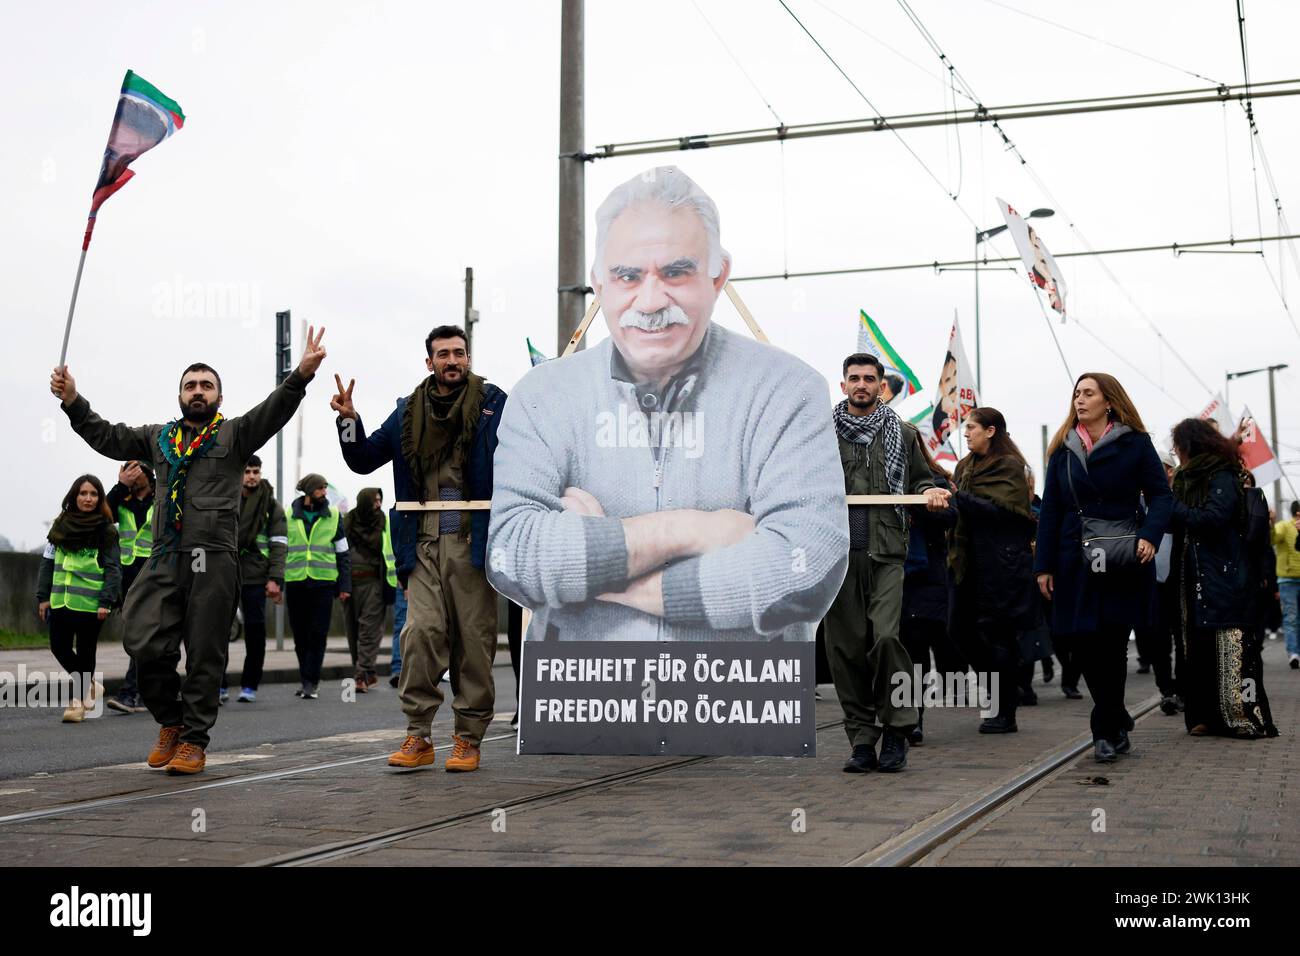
x=1103 y=656
x=309 y=608
x=252 y=601
x=131 y=682
x=1063 y=646
x=921 y=638
x=514 y=637
x=73 y=636
x=993 y=647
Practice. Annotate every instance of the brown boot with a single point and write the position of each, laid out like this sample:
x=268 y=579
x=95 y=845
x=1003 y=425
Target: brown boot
x=75 y=712
x=464 y=756
x=189 y=758
x=169 y=739
x=359 y=681
x=415 y=752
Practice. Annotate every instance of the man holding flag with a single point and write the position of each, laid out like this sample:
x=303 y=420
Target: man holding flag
x=188 y=589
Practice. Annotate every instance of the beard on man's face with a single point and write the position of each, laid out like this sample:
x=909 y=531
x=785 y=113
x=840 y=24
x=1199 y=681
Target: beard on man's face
x=451 y=375
x=198 y=410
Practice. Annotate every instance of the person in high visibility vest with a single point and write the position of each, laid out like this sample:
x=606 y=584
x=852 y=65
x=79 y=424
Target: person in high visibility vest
x=79 y=582
x=188 y=590
x=317 y=567
x=263 y=538
x=374 y=574
x=131 y=501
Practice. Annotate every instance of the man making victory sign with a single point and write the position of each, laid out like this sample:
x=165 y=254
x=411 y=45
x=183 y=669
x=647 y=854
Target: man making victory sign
x=189 y=587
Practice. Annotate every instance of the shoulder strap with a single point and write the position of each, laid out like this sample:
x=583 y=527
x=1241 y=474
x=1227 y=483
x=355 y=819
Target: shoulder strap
x=1069 y=476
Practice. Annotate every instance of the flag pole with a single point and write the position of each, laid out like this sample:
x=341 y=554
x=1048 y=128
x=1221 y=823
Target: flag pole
x=72 y=306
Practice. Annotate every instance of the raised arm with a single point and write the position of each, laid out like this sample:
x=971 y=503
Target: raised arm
x=363 y=453
x=259 y=424
x=114 y=441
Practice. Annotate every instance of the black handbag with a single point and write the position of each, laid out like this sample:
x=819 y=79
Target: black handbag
x=1109 y=544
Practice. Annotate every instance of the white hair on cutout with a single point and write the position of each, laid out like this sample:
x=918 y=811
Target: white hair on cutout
x=671 y=188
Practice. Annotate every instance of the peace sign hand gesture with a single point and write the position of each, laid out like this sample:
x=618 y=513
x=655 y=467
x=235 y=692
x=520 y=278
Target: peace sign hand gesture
x=342 y=402
x=313 y=354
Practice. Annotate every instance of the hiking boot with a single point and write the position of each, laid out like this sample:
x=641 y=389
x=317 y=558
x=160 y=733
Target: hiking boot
x=169 y=740
x=189 y=759
x=999 y=725
x=75 y=712
x=893 y=751
x=360 y=683
x=464 y=756
x=414 y=752
x=863 y=760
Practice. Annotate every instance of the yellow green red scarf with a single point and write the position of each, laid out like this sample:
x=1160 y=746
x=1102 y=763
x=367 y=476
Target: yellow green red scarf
x=180 y=456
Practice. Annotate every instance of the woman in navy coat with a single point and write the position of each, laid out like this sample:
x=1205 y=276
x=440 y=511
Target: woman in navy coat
x=1104 y=448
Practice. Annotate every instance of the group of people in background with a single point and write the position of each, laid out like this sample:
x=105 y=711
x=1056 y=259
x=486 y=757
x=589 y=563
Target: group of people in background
x=987 y=575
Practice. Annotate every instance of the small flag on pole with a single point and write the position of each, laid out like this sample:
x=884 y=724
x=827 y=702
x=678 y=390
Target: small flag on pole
x=898 y=375
x=145 y=117
x=534 y=356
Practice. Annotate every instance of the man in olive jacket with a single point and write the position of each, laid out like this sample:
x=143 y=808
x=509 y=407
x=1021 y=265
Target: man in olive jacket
x=188 y=590
x=881 y=455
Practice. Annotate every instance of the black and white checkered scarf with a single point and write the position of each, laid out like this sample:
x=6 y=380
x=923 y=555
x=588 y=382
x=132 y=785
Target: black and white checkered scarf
x=863 y=429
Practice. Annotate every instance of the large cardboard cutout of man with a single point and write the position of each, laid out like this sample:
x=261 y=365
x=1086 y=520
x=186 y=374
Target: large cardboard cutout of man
x=677 y=481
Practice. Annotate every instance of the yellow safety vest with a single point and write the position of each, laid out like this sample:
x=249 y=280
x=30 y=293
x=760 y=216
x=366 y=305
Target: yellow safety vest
x=126 y=534
x=143 y=539
x=312 y=555
x=390 y=562
x=78 y=579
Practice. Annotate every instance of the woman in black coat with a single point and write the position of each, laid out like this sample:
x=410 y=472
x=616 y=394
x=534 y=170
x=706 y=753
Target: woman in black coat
x=989 y=553
x=927 y=593
x=1217 y=574
x=1100 y=464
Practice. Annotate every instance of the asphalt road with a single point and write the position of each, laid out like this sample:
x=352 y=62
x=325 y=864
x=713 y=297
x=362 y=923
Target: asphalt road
x=36 y=741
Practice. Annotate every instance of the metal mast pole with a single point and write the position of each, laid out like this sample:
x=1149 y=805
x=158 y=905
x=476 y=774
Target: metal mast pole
x=572 y=242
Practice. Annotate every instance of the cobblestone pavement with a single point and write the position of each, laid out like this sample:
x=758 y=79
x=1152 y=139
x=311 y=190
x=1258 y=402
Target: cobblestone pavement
x=706 y=811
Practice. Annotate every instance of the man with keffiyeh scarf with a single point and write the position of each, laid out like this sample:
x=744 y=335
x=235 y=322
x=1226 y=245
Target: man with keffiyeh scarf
x=881 y=455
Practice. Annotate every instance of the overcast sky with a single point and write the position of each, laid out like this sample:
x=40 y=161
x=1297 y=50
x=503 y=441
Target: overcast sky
x=349 y=160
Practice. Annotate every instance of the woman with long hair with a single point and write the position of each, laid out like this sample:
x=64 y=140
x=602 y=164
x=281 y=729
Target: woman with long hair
x=927 y=591
x=1096 y=545
x=1223 y=681
x=79 y=582
x=991 y=561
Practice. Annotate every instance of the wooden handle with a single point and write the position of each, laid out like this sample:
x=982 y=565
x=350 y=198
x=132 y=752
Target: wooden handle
x=745 y=314
x=581 y=330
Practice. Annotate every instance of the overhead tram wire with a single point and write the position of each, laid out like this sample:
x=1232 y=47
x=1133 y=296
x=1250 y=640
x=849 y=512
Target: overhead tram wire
x=1060 y=207
x=1253 y=137
x=1096 y=39
x=879 y=115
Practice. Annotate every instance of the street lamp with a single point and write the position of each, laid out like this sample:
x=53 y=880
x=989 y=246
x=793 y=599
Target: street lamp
x=1272 y=416
x=980 y=236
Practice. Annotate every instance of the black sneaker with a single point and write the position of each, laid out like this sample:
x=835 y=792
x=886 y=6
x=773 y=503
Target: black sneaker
x=1122 y=744
x=301 y=691
x=1071 y=693
x=1295 y=662
x=1104 y=751
x=1169 y=705
x=893 y=751
x=863 y=760
x=392 y=681
x=309 y=692
x=999 y=725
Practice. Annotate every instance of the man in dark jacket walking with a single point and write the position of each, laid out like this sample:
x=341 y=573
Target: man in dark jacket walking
x=263 y=539
x=881 y=455
x=440 y=440
x=189 y=588
x=317 y=568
